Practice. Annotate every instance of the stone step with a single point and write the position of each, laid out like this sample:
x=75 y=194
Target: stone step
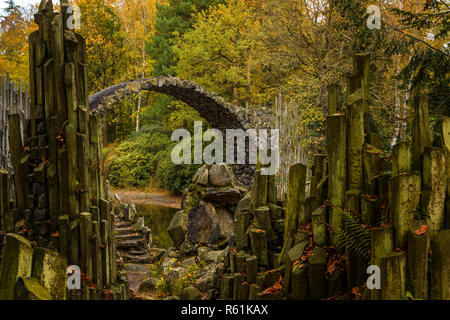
x=137 y=252
x=143 y=258
x=129 y=244
x=122 y=224
x=130 y=236
x=126 y=230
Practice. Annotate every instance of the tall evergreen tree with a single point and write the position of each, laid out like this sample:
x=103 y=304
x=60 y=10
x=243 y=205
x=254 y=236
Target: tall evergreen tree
x=172 y=19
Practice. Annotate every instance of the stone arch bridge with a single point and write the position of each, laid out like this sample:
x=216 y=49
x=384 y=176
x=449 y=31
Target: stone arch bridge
x=212 y=107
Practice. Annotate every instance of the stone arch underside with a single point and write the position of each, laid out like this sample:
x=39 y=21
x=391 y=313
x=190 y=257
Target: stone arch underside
x=212 y=107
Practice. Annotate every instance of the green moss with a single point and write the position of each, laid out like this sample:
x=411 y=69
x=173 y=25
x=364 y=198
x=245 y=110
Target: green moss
x=16 y=263
x=31 y=289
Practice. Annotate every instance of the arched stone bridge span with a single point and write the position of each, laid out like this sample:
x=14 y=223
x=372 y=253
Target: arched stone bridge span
x=220 y=114
x=212 y=107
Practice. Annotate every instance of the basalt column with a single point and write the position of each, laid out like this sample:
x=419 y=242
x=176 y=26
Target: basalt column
x=63 y=198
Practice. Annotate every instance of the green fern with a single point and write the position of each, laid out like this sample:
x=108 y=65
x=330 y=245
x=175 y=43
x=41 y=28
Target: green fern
x=353 y=236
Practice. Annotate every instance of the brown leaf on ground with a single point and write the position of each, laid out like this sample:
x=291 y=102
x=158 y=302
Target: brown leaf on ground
x=276 y=288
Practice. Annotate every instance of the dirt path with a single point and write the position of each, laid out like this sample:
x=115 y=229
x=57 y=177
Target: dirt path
x=155 y=198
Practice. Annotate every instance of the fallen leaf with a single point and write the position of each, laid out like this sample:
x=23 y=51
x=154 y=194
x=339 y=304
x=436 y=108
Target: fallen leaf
x=422 y=230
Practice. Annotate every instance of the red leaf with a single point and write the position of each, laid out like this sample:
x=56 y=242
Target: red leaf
x=422 y=230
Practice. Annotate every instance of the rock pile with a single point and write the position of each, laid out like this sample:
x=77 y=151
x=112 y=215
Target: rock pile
x=202 y=233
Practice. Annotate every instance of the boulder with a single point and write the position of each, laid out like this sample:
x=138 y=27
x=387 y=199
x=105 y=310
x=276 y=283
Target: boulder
x=173 y=278
x=177 y=228
x=225 y=223
x=226 y=196
x=214 y=256
x=204 y=283
x=147 y=285
x=220 y=175
x=203 y=224
x=191 y=293
x=188 y=262
x=188 y=249
x=203 y=251
x=156 y=253
x=30 y=289
x=203 y=177
x=16 y=262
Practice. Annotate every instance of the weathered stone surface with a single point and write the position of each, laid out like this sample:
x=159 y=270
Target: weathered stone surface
x=299 y=283
x=417 y=268
x=251 y=268
x=16 y=262
x=263 y=221
x=191 y=293
x=227 y=288
x=276 y=212
x=189 y=262
x=240 y=262
x=173 y=277
x=225 y=223
x=382 y=243
x=297 y=251
x=185 y=199
x=316 y=272
x=238 y=280
x=223 y=196
x=30 y=289
x=205 y=282
x=404 y=199
x=202 y=176
x=259 y=246
x=440 y=279
x=242 y=220
x=259 y=189
x=188 y=249
x=148 y=285
x=421 y=132
x=50 y=269
x=220 y=175
x=435 y=186
x=319 y=220
x=254 y=291
x=203 y=251
x=178 y=228
x=214 y=256
x=203 y=224
x=393 y=276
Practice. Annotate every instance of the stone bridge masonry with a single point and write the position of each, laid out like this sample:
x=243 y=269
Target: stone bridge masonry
x=212 y=107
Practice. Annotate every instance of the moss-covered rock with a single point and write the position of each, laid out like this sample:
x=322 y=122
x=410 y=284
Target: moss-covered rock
x=31 y=289
x=16 y=263
x=50 y=269
x=177 y=228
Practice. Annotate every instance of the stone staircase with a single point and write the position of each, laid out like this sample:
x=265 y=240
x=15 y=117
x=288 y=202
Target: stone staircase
x=131 y=243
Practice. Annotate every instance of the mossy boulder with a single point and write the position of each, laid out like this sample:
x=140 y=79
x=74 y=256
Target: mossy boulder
x=177 y=228
x=16 y=263
x=31 y=289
